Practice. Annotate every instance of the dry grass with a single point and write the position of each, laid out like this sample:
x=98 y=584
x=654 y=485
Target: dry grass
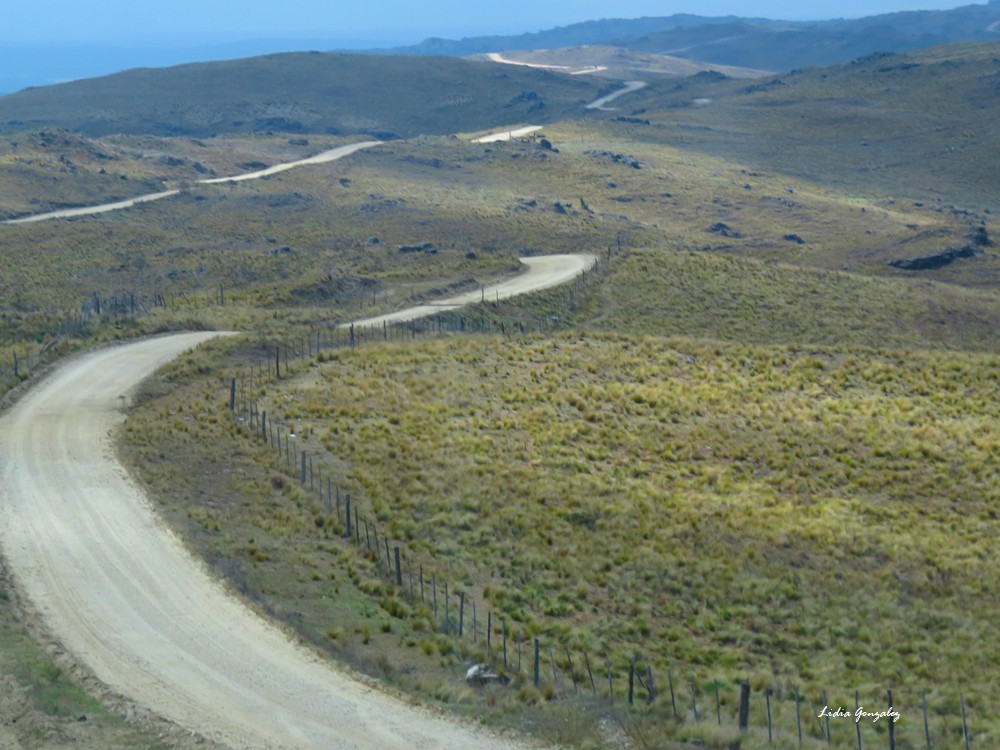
x=817 y=518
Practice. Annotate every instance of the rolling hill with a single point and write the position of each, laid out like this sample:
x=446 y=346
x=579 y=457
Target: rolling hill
x=746 y=398
x=386 y=97
x=918 y=125
x=750 y=42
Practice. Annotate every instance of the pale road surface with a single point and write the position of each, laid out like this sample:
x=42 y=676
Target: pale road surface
x=543 y=271
x=506 y=135
x=628 y=88
x=322 y=158
x=498 y=58
x=120 y=592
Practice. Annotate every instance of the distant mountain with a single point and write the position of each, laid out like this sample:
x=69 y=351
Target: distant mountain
x=751 y=43
x=607 y=31
x=386 y=97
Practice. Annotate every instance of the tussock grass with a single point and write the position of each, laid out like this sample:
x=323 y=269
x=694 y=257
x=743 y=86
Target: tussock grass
x=800 y=516
x=660 y=292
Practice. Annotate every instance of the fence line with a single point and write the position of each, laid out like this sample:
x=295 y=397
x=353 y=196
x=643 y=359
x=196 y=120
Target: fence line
x=785 y=711
x=560 y=672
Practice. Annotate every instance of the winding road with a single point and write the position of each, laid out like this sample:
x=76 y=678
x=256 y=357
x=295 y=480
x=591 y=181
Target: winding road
x=628 y=88
x=322 y=158
x=543 y=271
x=123 y=595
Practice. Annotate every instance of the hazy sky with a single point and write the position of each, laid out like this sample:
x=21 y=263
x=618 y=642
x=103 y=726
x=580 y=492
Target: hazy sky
x=103 y=21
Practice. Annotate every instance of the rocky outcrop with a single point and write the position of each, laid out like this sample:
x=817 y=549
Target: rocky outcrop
x=425 y=247
x=724 y=229
x=938 y=260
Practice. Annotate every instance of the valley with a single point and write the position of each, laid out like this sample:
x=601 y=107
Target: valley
x=774 y=391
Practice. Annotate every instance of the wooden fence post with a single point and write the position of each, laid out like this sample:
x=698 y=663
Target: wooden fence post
x=927 y=728
x=649 y=683
x=673 y=698
x=857 y=724
x=232 y=387
x=631 y=680
x=718 y=704
x=536 y=663
x=347 y=506
x=399 y=570
x=798 y=719
x=694 y=699
x=461 y=613
x=965 y=727
x=892 y=725
x=767 y=697
x=744 y=723
x=590 y=674
x=572 y=672
x=503 y=632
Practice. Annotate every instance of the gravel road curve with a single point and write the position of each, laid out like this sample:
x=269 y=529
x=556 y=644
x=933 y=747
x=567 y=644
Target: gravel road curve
x=125 y=597
x=543 y=271
x=68 y=213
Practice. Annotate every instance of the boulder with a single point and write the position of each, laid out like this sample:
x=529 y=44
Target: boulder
x=483 y=674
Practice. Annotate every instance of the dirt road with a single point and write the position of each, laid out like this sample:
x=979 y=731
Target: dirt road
x=322 y=158
x=506 y=135
x=498 y=58
x=628 y=88
x=544 y=271
x=122 y=594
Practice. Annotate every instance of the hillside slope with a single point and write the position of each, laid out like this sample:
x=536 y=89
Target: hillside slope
x=750 y=42
x=918 y=125
x=302 y=92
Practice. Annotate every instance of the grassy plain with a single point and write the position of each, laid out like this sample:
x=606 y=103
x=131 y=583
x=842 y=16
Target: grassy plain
x=809 y=517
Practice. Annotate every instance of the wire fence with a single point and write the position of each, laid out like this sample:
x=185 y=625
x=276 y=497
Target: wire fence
x=505 y=652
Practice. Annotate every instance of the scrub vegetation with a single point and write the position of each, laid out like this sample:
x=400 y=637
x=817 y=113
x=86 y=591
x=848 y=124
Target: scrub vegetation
x=749 y=448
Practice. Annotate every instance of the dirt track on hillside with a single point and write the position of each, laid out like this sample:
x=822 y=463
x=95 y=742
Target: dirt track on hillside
x=122 y=594
x=543 y=271
x=68 y=213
